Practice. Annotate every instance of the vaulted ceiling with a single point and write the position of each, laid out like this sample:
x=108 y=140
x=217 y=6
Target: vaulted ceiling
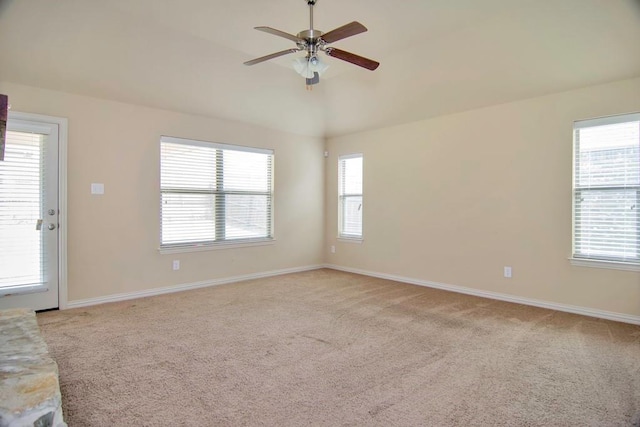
x=437 y=56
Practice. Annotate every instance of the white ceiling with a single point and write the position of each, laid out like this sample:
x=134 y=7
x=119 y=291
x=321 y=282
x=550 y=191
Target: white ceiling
x=437 y=56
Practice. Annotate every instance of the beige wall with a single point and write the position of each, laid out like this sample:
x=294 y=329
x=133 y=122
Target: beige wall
x=451 y=199
x=455 y=198
x=113 y=239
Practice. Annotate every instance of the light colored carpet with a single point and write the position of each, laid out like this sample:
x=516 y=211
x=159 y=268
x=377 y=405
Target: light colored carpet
x=331 y=348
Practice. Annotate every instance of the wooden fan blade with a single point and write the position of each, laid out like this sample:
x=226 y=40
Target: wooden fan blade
x=358 y=60
x=343 y=32
x=268 y=57
x=280 y=34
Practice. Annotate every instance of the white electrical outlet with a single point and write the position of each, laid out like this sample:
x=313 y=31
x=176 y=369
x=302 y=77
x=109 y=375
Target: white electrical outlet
x=507 y=272
x=176 y=264
x=97 y=188
x=333 y=249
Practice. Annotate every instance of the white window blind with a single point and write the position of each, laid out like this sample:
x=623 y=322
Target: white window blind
x=607 y=189
x=350 y=196
x=22 y=263
x=213 y=193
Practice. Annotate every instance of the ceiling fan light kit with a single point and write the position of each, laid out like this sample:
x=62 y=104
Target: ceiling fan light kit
x=312 y=41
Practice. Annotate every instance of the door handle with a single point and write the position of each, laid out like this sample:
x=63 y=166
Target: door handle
x=50 y=226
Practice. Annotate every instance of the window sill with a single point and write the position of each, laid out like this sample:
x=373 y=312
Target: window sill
x=214 y=246
x=23 y=289
x=357 y=240
x=611 y=265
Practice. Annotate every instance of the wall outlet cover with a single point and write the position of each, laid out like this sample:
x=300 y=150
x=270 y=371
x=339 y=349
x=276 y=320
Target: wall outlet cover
x=97 y=188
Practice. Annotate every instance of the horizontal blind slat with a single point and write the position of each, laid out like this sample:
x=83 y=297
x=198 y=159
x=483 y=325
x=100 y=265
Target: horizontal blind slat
x=21 y=181
x=214 y=192
x=350 y=188
x=607 y=189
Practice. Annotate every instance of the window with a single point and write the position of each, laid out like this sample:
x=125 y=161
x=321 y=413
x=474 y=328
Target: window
x=213 y=193
x=607 y=189
x=350 y=196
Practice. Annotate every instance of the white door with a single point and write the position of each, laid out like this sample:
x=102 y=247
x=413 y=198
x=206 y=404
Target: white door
x=29 y=215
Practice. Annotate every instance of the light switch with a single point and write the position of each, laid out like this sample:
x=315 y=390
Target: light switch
x=97 y=188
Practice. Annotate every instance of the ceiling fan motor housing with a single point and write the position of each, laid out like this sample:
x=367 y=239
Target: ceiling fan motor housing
x=310 y=35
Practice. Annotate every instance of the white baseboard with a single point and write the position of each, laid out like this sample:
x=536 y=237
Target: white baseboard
x=609 y=315
x=618 y=317
x=177 y=288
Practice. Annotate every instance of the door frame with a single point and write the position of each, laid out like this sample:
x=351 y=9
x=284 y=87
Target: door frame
x=62 y=194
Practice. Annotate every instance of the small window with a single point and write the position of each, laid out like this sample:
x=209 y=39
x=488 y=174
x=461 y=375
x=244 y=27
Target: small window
x=606 y=189
x=214 y=193
x=350 y=196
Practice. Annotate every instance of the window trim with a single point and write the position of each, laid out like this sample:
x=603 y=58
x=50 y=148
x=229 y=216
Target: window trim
x=198 y=246
x=610 y=265
x=230 y=244
x=585 y=261
x=357 y=240
x=607 y=120
x=217 y=145
x=350 y=238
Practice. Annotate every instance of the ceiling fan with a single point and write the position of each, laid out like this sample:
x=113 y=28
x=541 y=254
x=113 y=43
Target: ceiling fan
x=313 y=41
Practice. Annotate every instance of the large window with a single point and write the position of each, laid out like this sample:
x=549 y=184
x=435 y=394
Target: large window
x=350 y=196
x=607 y=189
x=213 y=193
